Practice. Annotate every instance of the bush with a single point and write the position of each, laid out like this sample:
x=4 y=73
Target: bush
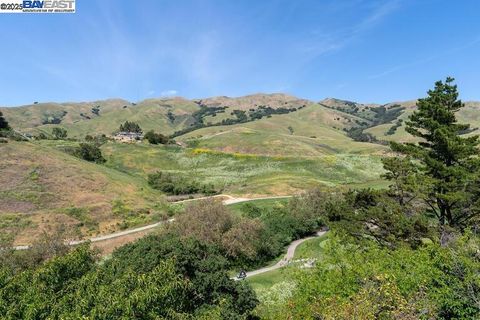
x=41 y=136
x=98 y=139
x=155 y=138
x=59 y=133
x=3 y=123
x=89 y=152
x=371 y=282
x=177 y=184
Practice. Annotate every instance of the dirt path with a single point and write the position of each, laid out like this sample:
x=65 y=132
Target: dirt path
x=230 y=200
x=286 y=259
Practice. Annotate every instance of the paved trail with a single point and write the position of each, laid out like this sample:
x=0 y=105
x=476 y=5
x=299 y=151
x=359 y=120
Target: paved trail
x=229 y=200
x=286 y=259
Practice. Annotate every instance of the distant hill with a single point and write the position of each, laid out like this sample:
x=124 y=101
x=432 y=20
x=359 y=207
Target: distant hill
x=258 y=123
x=162 y=115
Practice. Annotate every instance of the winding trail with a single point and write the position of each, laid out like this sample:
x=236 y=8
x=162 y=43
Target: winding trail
x=230 y=200
x=286 y=259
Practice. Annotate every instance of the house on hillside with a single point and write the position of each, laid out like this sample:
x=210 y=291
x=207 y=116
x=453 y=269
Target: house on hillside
x=125 y=136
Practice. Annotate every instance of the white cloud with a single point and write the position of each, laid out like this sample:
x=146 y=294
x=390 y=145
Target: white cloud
x=168 y=93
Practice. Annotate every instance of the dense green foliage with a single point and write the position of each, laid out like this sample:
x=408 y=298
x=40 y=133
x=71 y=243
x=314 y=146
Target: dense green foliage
x=394 y=128
x=155 y=138
x=3 y=123
x=370 y=282
x=59 y=133
x=258 y=236
x=74 y=286
x=375 y=215
x=89 y=152
x=447 y=164
x=357 y=134
x=130 y=127
x=54 y=116
x=385 y=259
x=176 y=184
x=200 y=262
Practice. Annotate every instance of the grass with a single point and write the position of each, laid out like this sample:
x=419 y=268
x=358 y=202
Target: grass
x=245 y=175
x=307 y=250
x=79 y=119
x=242 y=207
x=265 y=281
x=311 y=249
x=53 y=188
x=38 y=174
x=316 y=131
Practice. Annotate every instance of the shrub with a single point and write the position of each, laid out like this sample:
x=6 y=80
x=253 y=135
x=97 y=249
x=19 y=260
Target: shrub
x=177 y=184
x=41 y=136
x=3 y=123
x=155 y=138
x=89 y=152
x=59 y=133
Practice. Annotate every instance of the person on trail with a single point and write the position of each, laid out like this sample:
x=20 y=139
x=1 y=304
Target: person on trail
x=242 y=274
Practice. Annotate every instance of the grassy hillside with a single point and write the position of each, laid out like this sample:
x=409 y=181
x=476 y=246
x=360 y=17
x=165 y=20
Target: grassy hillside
x=42 y=187
x=469 y=114
x=312 y=131
x=245 y=174
x=274 y=154
x=102 y=117
x=323 y=120
x=163 y=115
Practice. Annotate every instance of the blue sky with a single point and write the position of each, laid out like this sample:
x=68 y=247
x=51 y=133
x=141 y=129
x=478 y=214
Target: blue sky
x=366 y=51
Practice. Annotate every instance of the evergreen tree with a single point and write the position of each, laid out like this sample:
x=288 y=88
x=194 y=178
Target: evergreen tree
x=3 y=123
x=130 y=127
x=447 y=162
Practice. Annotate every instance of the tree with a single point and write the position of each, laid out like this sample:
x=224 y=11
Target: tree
x=155 y=138
x=130 y=127
x=3 y=123
x=447 y=162
x=90 y=152
x=403 y=174
x=59 y=133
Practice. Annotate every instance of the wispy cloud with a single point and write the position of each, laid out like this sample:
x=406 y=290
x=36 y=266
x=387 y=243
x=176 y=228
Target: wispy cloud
x=425 y=59
x=168 y=93
x=324 y=42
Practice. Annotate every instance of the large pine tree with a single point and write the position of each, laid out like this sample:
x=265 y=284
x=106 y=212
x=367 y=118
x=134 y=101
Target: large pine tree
x=447 y=160
x=3 y=123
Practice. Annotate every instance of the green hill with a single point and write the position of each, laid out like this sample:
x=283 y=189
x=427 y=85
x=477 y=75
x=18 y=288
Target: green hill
x=42 y=187
x=249 y=146
x=312 y=131
x=162 y=115
x=469 y=114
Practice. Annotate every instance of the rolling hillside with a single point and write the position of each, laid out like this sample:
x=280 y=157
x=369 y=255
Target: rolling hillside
x=469 y=114
x=311 y=131
x=162 y=115
x=42 y=187
x=255 y=145
x=223 y=116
